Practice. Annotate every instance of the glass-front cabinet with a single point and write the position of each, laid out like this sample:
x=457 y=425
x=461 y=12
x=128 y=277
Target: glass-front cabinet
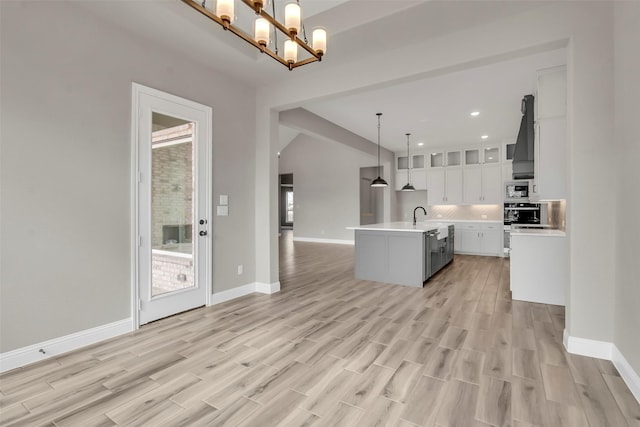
x=484 y=155
x=417 y=162
x=445 y=158
x=418 y=171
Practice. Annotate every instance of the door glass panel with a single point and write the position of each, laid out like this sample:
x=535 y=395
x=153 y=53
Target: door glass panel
x=172 y=205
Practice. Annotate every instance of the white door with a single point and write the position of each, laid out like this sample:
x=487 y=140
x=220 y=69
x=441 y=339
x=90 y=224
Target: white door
x=172 y=140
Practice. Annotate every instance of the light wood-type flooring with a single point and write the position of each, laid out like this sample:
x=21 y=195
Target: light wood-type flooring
x=329 y=350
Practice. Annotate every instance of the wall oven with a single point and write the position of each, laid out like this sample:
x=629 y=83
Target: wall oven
x=519 y=213
x=516 y=191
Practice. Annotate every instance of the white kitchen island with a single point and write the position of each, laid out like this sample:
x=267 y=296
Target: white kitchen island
x=539 y=266
x=402 y=253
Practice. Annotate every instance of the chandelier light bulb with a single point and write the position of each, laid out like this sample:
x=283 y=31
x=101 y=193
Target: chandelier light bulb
x=319 y=40
x=290 y=51
x=262 y=32
x=225 y=10
x=292 y=18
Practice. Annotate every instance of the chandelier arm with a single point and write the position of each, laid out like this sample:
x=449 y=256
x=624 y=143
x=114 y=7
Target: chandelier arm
x=305 y=62
x=249 y=39
x=283 y=29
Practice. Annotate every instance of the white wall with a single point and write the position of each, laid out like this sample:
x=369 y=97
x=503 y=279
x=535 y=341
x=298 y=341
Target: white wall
x=627 y=162
x=65 y=216
x=326 y=185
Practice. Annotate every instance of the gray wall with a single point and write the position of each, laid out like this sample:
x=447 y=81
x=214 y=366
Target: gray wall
x=627 y=160
x=65 y=167
x=327 y=190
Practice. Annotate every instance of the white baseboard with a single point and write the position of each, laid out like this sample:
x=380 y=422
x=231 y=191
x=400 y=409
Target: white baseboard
x=267 y=288
x=587 y=347
x=31 y=354
x=57 y=346
x=627 y=373
x=316 y=240
x=228 y=295
x=608 y=351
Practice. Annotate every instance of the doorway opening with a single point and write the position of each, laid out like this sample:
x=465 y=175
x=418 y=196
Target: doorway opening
x=286 y=202
x=371 y=201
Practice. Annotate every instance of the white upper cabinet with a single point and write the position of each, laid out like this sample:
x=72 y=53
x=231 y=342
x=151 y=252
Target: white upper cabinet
x=550 y=160
x=418 y=171
x=482 y=184
x=482 y=176
x=552 y=93
x=444 y=186
x=550 y=146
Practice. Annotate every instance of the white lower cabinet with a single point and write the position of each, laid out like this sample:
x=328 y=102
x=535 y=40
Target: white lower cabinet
x=538 y=268
x=477 y=238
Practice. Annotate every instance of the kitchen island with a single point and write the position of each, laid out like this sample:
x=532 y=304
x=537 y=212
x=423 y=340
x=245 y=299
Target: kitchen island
x=402 y=253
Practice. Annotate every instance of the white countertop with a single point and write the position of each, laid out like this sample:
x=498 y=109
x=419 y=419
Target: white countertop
x=537 y=232
x=483 y=221
x=420 y=227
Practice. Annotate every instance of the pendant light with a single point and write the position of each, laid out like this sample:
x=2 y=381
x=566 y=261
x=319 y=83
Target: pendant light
x=379 y=182
x=408 y=186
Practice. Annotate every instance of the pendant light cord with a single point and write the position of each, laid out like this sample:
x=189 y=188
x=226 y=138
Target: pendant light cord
x=408 y=162
x=379 y=114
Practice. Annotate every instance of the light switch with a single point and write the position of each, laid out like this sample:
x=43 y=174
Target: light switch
x=223 y=210
x=224 y=200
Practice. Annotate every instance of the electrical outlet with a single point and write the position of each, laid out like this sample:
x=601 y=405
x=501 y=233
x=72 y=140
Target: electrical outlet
x=240 y=269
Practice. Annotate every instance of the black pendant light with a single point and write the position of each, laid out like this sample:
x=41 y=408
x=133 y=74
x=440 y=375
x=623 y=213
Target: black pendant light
x=379 y=182
x=408 y=186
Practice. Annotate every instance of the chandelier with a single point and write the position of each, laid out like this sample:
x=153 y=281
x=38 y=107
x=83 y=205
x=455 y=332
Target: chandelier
x=223 y=14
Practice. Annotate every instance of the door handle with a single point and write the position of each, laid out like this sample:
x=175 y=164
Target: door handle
x=203 y=233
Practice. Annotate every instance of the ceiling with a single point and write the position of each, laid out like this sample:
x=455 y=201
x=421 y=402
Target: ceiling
x=435 y=110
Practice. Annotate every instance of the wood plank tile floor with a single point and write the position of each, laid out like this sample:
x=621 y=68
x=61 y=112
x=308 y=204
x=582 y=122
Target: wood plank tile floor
x=329 y=350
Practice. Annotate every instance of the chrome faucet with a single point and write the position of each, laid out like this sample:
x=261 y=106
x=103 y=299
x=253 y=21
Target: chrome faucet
x=414 y=213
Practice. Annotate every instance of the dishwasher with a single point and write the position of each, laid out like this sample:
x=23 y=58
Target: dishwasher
x=437 y=252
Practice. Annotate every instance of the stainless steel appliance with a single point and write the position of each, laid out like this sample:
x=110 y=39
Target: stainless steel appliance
x=520 y=214
x=516 y=191
x=438 y=251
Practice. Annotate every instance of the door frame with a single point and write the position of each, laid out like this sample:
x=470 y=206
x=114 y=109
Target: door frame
x=136 y=91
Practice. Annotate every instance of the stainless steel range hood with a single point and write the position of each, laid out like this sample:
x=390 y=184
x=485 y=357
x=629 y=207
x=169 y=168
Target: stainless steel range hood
x=523 y=154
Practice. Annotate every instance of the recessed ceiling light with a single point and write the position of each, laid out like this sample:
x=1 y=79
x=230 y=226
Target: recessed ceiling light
x=420 y=144
x=475 y=113
x=484 y=136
